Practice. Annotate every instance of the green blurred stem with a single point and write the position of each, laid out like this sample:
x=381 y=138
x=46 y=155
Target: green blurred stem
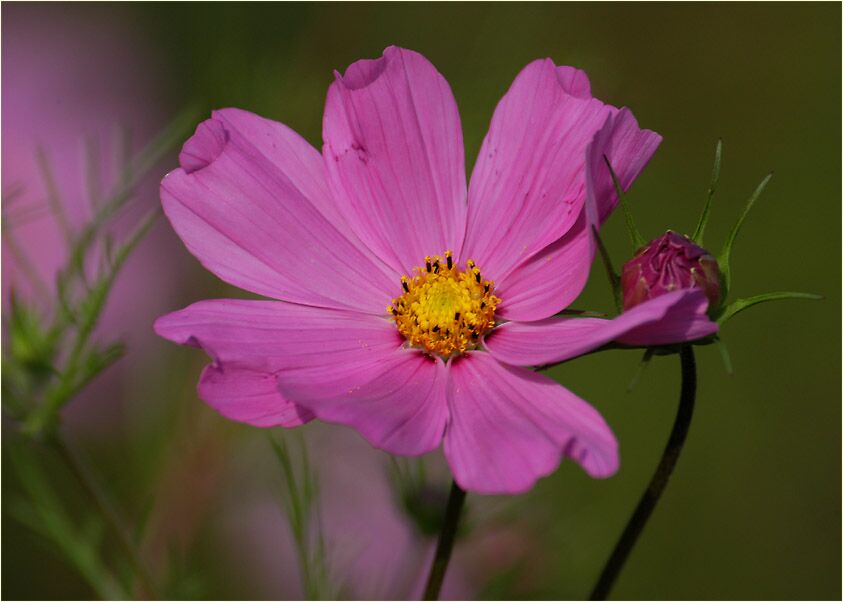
x=23 y=260
x=73 y=377
x=445 y=546
x=83 y=474
x=658 y=482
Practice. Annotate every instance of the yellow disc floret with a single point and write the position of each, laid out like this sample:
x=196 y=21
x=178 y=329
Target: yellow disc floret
x=445 y=310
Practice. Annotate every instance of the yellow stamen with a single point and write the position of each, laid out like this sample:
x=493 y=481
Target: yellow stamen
x=445 y=310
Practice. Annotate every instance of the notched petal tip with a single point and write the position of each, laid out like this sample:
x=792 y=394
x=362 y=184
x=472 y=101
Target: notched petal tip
x=248 y=396
x=204 y=146
x=165 y=327
x=364 y=72
x=574 y=81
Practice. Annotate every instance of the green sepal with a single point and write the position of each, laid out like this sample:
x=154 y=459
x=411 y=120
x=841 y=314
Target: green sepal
x=726 y=254
x=614 y=279
x=712 y=186
x=738 y=305
x=634 y=235
x=724 y=355
x=642 y=365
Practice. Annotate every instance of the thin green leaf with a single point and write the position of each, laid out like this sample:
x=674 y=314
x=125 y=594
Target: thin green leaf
x=24 y=512
x=642 y=365
x=144 y=515
x=12 y=193
x=107 y=509
x=57 y=526
x=292 y=498
x=53 y=197
x=634 y=235
x=738 y=305
x=22 y=260
x=122 y=253
x=726 y=254
x=614 y=279
x=123 y=150
x=724 y=355
x=78 y=305
x=94 y=363
x=715 y=178
x=74 y=376
x=27 y=214
x=300 y=500
x=170 y=137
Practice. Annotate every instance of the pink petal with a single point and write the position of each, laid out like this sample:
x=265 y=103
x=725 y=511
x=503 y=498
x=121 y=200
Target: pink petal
x=249 y=396
x=396 y=399
x=204 y=146
x=528 y=186
x=510 y=426
x=672 y=318
x=629 y=149
x=574 y=81
x=394 y=153
x=249 y=205
x=251 y=342
x=302 y=163
x=685 y=321
x=271 y=335
x=550 y=280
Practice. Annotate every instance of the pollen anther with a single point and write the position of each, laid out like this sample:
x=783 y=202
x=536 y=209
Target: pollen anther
x=444 y=310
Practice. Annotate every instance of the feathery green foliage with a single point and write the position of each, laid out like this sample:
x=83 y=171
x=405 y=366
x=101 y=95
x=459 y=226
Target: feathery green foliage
x=50 y=355
x=635 y=237
x=699 y=231
x=300 y=499
x=725 y=256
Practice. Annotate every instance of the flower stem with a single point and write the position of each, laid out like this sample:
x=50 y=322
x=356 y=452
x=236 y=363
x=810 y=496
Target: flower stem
x=446 y=543
x=658 y=482
x=86 y=479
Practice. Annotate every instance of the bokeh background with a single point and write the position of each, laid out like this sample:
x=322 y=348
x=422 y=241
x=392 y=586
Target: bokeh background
x=754 y=508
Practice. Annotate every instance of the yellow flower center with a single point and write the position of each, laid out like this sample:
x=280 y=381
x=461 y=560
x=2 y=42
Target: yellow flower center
x=445 y=310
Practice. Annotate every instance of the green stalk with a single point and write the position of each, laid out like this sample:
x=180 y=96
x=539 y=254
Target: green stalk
x=659 y=480
x=445 y=546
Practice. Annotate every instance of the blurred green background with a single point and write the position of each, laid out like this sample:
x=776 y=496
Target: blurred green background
x=753 y=510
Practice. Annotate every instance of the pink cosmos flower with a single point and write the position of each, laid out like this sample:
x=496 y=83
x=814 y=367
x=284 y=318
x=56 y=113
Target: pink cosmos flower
x=409 y=304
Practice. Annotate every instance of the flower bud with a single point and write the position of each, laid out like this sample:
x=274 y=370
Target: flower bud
x=668 y=263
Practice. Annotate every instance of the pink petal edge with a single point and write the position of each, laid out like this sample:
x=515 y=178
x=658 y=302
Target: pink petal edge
x=395 y=399
x=511 y=426
x=249 y=396
x=676 y=317
x=395 y=158
x=553 y=278
x=249 y=205
x=528 y=185
x=250 y=342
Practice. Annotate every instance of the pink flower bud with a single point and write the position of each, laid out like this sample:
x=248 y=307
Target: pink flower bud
x=668 y=263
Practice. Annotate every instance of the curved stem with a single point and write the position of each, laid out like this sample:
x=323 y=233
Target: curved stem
x=86 y=479
x=658 y=482
x=446 y=543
